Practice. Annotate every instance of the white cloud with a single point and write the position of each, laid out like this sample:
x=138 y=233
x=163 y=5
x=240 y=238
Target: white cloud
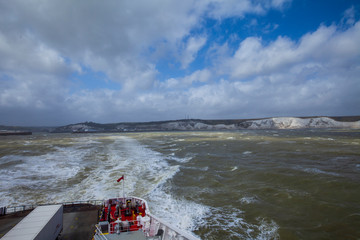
x=327 y=48
x=280 y=3
x=193 y=45
x=220 y=9
x=32 y=97
x=111 y=36
x=319 y=73
x=229 y=8
x=26 y=54
x=42 y=43
x=199 y=76
x=349 y=17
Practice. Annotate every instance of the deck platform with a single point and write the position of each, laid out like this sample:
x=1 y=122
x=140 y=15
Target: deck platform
x=78 y=221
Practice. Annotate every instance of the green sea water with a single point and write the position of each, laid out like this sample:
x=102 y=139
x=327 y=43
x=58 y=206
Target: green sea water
x=259 y=184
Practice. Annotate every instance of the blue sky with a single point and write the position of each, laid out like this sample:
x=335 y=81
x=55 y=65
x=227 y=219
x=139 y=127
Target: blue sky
x=63 y=62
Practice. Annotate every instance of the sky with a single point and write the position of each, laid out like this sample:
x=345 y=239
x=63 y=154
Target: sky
x=66 y=61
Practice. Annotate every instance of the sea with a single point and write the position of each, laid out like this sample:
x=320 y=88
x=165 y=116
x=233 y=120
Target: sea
x=248 y=184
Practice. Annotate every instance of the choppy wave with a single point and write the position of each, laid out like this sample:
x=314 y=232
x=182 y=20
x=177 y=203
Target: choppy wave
x=248 y=200
x=233 y=223
x=317 y=171
x=220 y=185
x=88 y=169
x=179 y=211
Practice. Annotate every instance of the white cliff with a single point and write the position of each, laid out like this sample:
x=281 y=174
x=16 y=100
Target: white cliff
x=214 y=125
x=298 y=123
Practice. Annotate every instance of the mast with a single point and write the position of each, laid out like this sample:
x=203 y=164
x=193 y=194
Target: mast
x=122 y=178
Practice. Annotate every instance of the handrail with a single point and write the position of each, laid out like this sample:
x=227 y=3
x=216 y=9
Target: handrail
x=99 y=232
x=14 y=209
x=134 y=222
x=173 y=228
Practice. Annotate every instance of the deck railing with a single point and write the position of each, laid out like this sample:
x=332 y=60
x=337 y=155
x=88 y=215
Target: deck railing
x=99 y=233
x=169 y=232
x=21 y=208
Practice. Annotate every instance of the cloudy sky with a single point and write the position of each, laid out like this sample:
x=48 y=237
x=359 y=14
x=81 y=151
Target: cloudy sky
x=68 y=61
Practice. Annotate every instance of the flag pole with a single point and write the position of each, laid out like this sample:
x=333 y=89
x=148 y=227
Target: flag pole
x=123 y=187
x=122 y=178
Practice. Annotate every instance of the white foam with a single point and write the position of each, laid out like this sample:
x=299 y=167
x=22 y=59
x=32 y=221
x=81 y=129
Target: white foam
x=177 y=211
x=233 y=223
x=317 y=171
x=198 y=168
x=101 y=161
x=38 y=175
x=143 y=168
x=54 y=166
x=268 y=230
x=247 y=152
x=248 y=200
x=179 y=159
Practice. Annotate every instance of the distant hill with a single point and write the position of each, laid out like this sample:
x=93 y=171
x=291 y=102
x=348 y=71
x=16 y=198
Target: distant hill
x=209 y=125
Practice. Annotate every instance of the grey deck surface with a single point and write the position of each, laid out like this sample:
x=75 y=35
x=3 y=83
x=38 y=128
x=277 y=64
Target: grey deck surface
x=8 y=222
x=79 y=225
x=138 y=235
x=79 y=222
